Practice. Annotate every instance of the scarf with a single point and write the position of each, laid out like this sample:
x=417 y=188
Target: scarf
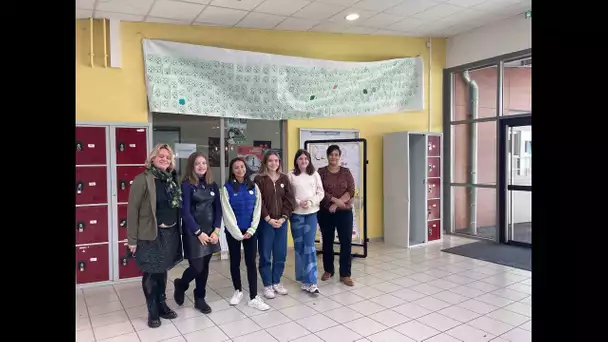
x=174 y=192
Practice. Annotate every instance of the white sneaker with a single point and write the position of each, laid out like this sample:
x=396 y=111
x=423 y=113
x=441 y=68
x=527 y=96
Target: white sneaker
x=258 y=303
x=314 y=289
x=236 y=297
x=280 y=289
x=269 y=292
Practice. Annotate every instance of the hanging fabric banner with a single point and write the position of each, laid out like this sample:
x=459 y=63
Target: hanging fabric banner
x=201 y=80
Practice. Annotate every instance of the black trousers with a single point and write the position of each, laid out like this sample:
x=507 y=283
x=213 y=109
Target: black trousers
x=154 y=286
x=250 y=247
x=199 y=272
x=341 y=220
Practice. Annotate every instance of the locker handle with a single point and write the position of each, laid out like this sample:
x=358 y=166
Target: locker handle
x=429 y=212
x=79 y=146
x=121 y=147
x=80 y=226
x=430 y=231
x=79 y=187
x=81 y=266
x=124 y=261
x=123 y=223
x=123 y=185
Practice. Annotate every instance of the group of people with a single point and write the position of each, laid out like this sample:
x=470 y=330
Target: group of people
x=255 y=213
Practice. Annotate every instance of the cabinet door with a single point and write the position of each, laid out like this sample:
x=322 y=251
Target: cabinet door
x=433 y=209
x=434 y=188
x=91 y=224
x=131 y=145
x=434 y=142
x=434 y=169
x=90 y=145
x=91 y=185
x=92 y=264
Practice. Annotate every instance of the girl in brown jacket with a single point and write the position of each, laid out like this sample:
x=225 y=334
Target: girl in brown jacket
x=277 y=205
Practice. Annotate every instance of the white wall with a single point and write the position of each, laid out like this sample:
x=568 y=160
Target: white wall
x=505 y=36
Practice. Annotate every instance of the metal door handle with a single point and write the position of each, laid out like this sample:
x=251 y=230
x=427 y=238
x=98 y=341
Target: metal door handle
x=81 y=266
x=80 y=226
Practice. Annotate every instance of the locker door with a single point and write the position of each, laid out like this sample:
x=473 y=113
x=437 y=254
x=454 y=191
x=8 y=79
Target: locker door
x=434 y=232
x=131 y=145
x=92 y=264
x=91 y=224
x=434 y=169
x=434 y=188
x=90 y=145
x=434 y=142
x=433 y=209
x=91 y=185
x=125 y=175
x=127 y=268
x=122 y=222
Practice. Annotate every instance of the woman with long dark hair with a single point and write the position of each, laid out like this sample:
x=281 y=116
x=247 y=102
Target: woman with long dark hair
x=241 y=209
x=336 y=214
x=277 y=205
x=308 y=192
x=201 y=220
x=153 y=230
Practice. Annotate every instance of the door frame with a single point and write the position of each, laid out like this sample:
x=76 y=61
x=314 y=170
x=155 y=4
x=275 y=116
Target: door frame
x=503 y=186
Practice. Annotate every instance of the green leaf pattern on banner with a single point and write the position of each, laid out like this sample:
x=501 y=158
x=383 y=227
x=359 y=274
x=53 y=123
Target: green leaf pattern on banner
x=278 y=92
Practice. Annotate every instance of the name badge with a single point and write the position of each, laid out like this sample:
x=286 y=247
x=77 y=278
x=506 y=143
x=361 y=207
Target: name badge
x=282 y=185
x=251 y=192
x=212 y=193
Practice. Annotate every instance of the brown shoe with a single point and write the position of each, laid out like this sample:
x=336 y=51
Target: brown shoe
x=326 y=276
x=347 y=281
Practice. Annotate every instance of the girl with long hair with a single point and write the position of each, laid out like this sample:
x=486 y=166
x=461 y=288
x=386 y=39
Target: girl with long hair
x=336 y=213
x=201 y=220
x=241 y=209
x=308 y=192
x=153 y=229
x=277 y=205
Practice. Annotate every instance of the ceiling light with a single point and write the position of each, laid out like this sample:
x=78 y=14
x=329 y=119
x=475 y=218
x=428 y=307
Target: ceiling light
x=352 y=16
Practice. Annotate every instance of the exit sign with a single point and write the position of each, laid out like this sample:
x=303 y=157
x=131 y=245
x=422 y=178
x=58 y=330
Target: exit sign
x=528 y=14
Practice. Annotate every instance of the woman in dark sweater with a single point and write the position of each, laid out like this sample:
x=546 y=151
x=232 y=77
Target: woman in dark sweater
x=336 y=214
x=153 y=229
x=241 y=208
x=201 y=219
x=277 y=205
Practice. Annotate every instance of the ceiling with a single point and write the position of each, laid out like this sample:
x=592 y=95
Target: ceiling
x=432 y=18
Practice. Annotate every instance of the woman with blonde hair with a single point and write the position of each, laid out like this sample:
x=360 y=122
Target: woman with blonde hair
x=153 y=229
x=308 y=192
x=277 y=204
x=201 y=219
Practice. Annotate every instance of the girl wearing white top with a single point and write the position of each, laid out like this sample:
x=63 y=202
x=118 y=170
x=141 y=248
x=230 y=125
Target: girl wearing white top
x=308 y=191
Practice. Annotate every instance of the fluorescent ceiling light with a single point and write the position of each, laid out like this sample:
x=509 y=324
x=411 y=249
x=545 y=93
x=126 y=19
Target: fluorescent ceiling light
x=352 y=16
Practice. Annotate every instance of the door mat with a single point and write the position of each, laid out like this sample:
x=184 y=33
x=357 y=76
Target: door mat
x=513 y=256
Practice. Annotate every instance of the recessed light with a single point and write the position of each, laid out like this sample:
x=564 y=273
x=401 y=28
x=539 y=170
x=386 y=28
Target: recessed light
x=352 y=16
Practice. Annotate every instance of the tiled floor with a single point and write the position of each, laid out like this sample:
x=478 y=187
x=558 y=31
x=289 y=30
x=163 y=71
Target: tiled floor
x=399 y=295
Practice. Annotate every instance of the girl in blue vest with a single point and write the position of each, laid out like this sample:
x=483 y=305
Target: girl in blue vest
x=241 y=209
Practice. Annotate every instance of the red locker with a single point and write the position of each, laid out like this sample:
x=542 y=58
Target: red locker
x=91 y=224
x=91 y=185
x=127 y=268
x=434 y=209
x=92 y=264
x=131 y=145
x=122 y=222
x=434 y=188
x=434 y=167
x=90 y=145
x=434 y=146
x=434 y=230
x=125 y=176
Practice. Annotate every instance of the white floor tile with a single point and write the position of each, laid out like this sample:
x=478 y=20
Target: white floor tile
x=343 y=314
x=459 y=314
x=239 y=328
x=132 y=337
x=164 y=332
x=416 y=331
x=365 y=326
x=508 y=317
x=411 y=310
x=490 y=325
x=113 y=330
x=287 y=332
x=467 y=333
x=258 y=336
x=270 y=319
x=212 y=334
x=520 y=308
x=389 y=335
x=518 y=335
x=193 y=324
x=317 y=323
x=431 y=303
x=438 y=321
x=339 y=333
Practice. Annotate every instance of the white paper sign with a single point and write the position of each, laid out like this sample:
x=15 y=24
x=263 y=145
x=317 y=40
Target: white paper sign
x=184 y=151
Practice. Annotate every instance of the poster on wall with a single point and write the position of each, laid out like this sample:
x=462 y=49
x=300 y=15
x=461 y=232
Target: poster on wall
x=265 y=144
x=351 y=159
x=236 y=131
x=253 y=157
x=214 y=152
x=183 y=151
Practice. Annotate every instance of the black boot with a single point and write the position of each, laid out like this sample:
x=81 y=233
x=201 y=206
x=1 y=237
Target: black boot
x=180 y=291
x=150 y=288
x=201 y=304
x=163 y=310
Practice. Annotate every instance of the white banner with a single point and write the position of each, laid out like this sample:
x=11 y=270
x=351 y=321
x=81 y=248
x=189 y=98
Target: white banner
x=201 y=80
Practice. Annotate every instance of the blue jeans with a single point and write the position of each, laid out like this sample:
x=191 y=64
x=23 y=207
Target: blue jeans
x=272 y=242
x=303 y=229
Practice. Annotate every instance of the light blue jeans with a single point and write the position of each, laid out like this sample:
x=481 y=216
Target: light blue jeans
x=303 y=229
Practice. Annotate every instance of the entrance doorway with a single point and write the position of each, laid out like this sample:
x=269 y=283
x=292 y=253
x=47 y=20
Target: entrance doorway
x=515 y=186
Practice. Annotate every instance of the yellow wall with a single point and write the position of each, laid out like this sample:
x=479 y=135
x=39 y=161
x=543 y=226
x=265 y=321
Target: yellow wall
x=119 y=95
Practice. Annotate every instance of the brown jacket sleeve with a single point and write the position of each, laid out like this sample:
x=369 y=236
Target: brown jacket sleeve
x=289 y=201
x=351 y=183
x=136 y=196
x=259 y=181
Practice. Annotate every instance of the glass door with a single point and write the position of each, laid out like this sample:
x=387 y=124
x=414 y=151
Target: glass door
x=516 y=181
